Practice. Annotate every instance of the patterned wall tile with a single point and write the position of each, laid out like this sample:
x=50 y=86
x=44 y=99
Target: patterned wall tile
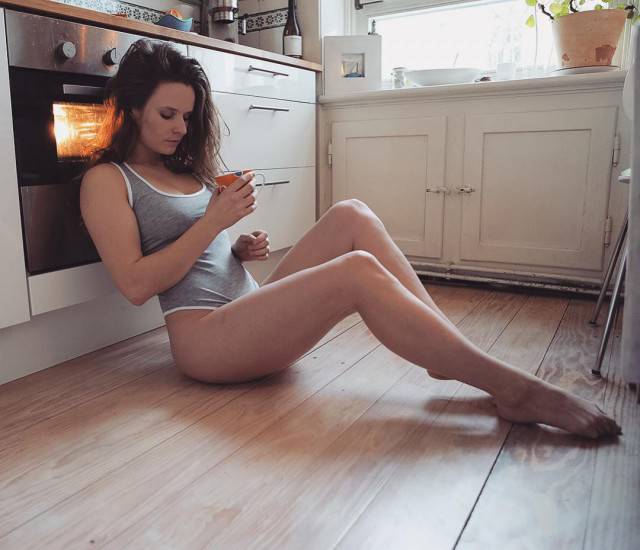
x=266 y=20
x=133 y=11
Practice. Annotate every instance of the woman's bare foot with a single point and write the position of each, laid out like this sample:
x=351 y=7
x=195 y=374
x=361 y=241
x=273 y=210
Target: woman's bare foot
x=547 y=404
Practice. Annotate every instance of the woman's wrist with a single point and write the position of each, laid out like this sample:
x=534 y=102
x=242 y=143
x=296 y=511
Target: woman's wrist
x=213 y=228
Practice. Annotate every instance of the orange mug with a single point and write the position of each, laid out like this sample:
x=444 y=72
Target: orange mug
x=225 y=180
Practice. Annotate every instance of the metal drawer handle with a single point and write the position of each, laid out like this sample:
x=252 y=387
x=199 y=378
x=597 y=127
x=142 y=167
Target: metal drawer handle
x=273 y=183
x=274 y=73
x=261 y=108
x=438 y=190
x=466 y=190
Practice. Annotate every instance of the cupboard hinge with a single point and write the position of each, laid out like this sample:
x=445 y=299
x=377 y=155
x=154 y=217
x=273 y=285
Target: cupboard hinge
x=616 y=150
x=607 y=231
x=329 y=154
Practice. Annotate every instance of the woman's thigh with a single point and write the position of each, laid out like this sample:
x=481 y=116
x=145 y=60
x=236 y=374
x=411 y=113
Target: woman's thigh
x=271 y=327
x=330 y=237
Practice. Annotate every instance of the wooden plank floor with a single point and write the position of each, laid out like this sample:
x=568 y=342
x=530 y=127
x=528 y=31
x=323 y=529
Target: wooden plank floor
x=352 y=447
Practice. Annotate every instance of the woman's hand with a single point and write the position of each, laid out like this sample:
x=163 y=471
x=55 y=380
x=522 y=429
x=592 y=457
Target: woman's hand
x=231 y=204
x=252 y=247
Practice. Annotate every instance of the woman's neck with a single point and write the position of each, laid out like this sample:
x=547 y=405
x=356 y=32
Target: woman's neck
x=146 y=157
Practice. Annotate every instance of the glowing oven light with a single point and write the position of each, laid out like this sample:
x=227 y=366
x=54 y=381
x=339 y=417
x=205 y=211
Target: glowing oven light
x=75 y=126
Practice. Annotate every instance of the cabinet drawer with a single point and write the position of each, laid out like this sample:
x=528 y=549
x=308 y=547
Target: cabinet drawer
x=286 y=207
x=244 y=75
x=260 y=137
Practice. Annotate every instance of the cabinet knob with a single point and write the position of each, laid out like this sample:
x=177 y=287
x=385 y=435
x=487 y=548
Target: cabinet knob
x=466 y=190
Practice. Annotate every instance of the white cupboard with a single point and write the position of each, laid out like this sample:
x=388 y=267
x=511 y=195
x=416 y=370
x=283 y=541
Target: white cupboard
x=397 y=168
x=536 y=187
x=265 y=133
x=509 y=184
x=14 y=296
x=268 y=124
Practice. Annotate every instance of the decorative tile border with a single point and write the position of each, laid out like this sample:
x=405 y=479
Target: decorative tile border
x=255 y=21
x=266 y=20
x=139 y=13
x=116 y=6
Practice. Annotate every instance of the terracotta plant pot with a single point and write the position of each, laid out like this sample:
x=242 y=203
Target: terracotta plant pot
x=587 y=38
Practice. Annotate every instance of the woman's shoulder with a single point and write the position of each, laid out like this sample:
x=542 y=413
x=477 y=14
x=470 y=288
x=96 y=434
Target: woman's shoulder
x=102 y=178
x=104 y=171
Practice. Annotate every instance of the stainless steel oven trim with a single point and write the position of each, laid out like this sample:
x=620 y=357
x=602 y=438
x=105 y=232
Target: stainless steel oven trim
x=35 y=42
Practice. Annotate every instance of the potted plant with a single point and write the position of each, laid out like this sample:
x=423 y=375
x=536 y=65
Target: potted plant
x=585 y=38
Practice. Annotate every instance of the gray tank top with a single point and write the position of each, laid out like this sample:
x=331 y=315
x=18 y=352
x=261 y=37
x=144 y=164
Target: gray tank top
x=217 y=277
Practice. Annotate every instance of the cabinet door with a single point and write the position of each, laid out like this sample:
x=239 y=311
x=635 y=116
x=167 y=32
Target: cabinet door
x=266 y=133
x=540 y=185
x=286 y=207
x=397 y=168
x=13 y=276
x=244 y=75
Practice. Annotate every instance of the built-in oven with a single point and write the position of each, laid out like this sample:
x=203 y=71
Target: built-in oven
x=57 y=74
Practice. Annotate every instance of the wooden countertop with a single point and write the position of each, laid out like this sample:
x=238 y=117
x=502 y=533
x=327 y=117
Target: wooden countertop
x=82 y=15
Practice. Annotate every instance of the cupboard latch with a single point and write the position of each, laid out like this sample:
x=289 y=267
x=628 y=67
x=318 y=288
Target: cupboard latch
x=330 y=154
x=616 y=150
x=443 y=190
x=607 y=231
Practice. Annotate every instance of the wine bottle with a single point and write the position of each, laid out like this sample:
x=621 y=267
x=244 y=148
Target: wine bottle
x=292 y=34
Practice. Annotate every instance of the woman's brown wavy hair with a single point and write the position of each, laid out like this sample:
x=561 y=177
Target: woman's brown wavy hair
x=145 y=65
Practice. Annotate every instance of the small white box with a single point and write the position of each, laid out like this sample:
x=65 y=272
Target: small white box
x=352 y=63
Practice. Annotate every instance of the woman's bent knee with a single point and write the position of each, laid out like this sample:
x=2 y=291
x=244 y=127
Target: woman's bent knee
x=360 y=270
x=352 y=210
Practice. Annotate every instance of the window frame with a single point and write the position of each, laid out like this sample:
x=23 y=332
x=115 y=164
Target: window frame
x=356 y=21
x=358 y=18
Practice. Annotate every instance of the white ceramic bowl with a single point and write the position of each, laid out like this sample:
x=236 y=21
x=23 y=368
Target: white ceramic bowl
x=434 y=77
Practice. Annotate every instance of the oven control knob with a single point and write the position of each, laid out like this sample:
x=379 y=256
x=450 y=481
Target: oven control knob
x=112 y=57
x=66 y=50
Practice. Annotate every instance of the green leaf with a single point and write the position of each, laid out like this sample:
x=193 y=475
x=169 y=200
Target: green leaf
x=598 y=7
x=531 y=3
x=531 y=22
x=555 y=8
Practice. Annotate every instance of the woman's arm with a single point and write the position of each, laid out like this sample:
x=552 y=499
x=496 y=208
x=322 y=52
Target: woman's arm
x=114 y=229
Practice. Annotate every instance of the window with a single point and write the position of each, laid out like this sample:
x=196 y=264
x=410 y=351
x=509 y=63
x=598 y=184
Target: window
x=479 y=34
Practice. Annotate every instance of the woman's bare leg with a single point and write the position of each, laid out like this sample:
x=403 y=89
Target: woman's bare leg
x=402 y=323
x=351 y=225
x=266 y=330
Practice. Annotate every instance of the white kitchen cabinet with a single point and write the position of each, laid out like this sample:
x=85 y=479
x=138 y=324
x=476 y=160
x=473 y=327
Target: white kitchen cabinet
x=397 y=168
x=14 y=297
x=268 y=124
x=536 y=187
x=244 y=75
x=515 y=180
x=285 y=207
x=266 y=133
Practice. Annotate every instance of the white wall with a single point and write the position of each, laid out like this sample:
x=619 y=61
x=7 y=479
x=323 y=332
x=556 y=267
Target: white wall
x=317 y=18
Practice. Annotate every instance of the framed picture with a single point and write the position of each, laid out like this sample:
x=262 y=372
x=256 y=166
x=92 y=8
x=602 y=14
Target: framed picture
x=352 y=63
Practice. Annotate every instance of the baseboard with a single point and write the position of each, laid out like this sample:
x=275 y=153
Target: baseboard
x=64 y=334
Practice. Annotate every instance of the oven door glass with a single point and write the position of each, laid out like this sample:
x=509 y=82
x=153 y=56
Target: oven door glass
x=55 y=119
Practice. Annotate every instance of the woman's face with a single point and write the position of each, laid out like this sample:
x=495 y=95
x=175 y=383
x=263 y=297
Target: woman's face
x=164 y=119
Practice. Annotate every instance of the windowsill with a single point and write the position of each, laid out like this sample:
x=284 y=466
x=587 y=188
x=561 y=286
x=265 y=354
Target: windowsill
x=547 y=84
